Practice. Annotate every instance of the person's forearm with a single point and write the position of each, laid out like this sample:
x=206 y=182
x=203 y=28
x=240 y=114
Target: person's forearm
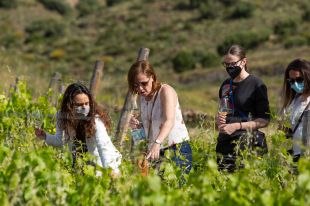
x=55 y=140
x=254 y=124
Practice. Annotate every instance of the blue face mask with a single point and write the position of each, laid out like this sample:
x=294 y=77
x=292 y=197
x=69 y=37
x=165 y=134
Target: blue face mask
x=298 y=87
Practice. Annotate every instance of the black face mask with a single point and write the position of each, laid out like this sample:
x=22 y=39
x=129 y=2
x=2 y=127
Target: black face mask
x=233 y=71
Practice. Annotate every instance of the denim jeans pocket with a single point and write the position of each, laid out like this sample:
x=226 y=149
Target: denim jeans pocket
x=185 y=149
x=183 y=153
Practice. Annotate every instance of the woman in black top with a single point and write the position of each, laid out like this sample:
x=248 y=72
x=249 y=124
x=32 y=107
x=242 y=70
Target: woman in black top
x=248 y=107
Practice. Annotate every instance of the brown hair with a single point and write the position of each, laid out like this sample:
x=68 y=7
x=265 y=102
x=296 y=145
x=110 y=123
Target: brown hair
x=68 y=118
x=303 y=67
x=237 y=50
x=146 y=68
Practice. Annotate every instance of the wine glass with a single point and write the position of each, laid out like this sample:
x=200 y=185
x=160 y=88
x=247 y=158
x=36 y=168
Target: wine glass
x=224 y=106
x=38 y=119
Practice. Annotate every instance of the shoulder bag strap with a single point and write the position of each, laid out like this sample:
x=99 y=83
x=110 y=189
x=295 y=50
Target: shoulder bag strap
x=150 y=120
x=300 y=118
x=231 y=96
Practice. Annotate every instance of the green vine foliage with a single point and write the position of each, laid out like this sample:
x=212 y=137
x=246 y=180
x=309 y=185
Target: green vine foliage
x=32 y=173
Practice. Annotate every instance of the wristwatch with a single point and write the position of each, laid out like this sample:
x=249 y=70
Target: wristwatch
x=158 y=141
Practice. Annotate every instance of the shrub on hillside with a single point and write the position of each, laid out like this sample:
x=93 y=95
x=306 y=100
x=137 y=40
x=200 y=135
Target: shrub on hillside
x=11 y=40
x=113 y=2
x=8 y=4
x=308 y=38
x=87 y=7
x=194 y=4
x=242 y=10
x=229 y=2
x=110 y=40
x=183 y=61
x=45 y=29
x=285 y=28
x=210 y=9
x=295 y=42
x=206 y=59
x=247 y=39
x=198 y=55
x=306 y=14
x=197 y=3
x=209 y=60
x=57 y=54
x=59 y=6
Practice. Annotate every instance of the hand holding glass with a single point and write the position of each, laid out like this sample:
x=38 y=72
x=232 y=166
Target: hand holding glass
x=223 y=111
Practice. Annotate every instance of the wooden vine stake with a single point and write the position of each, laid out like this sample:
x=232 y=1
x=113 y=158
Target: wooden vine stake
x=16 y=84
x=122 y=126
x=95 y=80
x=54 y=85
x=14 y=87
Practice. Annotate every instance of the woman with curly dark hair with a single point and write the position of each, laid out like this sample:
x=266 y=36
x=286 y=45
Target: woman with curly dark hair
x=83 y=125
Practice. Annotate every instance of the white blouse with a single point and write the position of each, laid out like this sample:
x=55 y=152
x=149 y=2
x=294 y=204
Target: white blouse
x=99 y=145
x=295 y=109
x=178 y=132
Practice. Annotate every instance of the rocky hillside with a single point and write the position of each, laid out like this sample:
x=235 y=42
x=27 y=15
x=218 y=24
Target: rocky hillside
x=186 y=38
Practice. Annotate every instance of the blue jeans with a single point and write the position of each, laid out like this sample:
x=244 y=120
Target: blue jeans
x=182 y=156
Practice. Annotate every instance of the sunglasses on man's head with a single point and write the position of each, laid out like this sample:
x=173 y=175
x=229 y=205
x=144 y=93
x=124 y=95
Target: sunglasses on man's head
x=298 y=80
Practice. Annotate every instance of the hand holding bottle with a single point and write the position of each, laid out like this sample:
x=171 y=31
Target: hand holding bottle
x=134 y=123
x=40 y=133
